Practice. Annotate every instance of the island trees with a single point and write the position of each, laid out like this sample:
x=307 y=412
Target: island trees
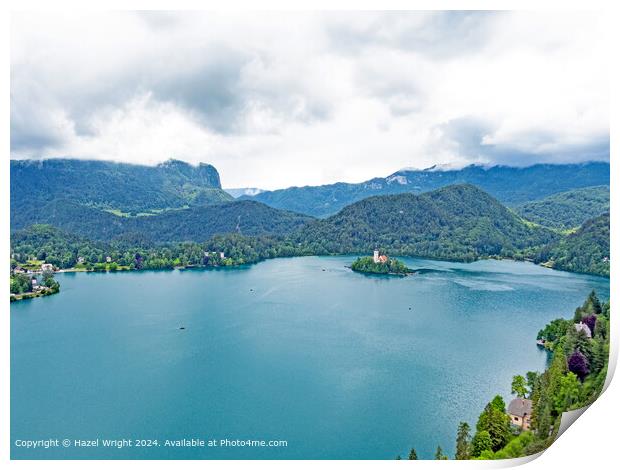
x=367 y=264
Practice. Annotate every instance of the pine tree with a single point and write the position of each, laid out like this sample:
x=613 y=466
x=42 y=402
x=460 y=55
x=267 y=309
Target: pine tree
x=599 y=357
x=413 y=454
x=463 y=444
x=439 y=455
x=568 y=393
x=594 y=303
x=496 y=422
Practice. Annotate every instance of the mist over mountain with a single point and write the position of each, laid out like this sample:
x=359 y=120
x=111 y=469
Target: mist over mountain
x=237 y=192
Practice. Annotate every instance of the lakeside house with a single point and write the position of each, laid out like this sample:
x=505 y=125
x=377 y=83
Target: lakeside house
x=108 y=259
x=377 y=258
x=47 y=267
x=219 y=254
x=583 y=327
x=520 y=411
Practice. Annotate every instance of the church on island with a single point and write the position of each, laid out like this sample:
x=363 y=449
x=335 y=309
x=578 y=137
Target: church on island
x=377 y=258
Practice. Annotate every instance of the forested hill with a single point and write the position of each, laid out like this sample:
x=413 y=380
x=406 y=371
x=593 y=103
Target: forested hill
x=120 y=187
x=568 y=209
x=511 y=186
x=459 y=222
x=192 y=224
x=584 y=251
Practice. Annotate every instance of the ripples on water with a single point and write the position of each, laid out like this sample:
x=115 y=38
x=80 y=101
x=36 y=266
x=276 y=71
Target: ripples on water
x=340 y=364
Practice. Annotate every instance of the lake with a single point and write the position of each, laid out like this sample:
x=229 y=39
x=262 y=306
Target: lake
x=339 y=364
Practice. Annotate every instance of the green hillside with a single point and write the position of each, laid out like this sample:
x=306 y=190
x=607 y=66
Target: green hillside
x=122 y=187
x=192 y=224
x=584 y=251
x=568 y=209
x=459 y=222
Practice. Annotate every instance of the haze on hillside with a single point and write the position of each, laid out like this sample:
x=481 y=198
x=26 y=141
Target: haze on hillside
x=274 y=100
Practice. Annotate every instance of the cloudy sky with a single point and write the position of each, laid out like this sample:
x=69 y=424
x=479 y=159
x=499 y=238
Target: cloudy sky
x=275 y=100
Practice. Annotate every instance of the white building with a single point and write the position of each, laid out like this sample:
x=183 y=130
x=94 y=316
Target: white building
x=375 y=256
x=47 y=267
x=583 y=327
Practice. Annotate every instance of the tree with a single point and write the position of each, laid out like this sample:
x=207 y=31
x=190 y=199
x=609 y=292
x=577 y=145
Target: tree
x=568 y=393
x=600 y=356
x=496 y=422
x=20 y=283
x=439 y=455
x=577 y=341
x=52 y=284
x=519 y=386
x=463 y=444
x=601 y=328
x=533 y=380
x=413 y=454
x=138 y=261
x=555 y=329
x=480 y=443
x=578 y=364
x=593 y=303
x=498 y=403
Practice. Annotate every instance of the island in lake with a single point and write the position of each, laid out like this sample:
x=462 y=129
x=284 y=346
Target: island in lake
x=380 y=264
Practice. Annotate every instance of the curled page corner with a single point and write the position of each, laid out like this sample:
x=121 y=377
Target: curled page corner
x=568 y=418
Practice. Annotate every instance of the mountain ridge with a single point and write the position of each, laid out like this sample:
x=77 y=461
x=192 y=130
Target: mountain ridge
x=188 y=224
x=125 y=187
x=458 y=222
x=510 y=185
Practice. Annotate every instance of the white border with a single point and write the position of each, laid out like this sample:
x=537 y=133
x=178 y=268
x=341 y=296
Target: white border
x=589 y=444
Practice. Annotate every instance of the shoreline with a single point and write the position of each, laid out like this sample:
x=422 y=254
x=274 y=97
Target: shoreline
x=239 y=265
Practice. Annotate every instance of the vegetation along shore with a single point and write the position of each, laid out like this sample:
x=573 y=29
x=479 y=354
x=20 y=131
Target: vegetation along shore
x=177 y=215
x=574 y=379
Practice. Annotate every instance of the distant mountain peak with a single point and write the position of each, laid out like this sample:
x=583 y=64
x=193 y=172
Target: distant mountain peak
x=511 y=185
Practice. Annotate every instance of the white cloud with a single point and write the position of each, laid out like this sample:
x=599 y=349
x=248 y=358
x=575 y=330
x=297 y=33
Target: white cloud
x=274 y=100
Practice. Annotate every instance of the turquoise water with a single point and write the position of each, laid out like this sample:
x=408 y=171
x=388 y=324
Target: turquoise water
x=338 y=364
